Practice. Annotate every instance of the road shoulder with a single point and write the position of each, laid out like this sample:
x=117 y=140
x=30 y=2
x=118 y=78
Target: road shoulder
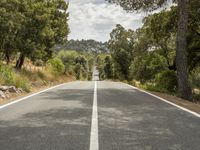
x=14 y=97
x=193 y=108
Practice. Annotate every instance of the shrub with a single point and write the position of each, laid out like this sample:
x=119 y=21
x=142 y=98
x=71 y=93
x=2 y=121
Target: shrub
x=89 y=76
x=56 y=66
x=144 y=68
x=6 y=75
x=195 y=78
x=133 y=83
x=39 y=62
x=41 y=75
x=21 y=83
x=166 y=81
x=9 y=77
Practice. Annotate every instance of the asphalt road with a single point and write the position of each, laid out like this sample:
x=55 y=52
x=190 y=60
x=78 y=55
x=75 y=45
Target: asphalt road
x=64 y=118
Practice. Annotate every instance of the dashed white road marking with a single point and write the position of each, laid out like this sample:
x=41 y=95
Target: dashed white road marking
x=94 y=135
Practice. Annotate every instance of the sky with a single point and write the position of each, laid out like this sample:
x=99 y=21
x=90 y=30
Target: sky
x=95 y=19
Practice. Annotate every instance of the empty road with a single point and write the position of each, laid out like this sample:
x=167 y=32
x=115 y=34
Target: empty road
x=96 y=115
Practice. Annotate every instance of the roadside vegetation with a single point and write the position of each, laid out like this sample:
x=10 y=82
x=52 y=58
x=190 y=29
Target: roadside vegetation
x=147 y=57
x=63 y=66
x=29 y=32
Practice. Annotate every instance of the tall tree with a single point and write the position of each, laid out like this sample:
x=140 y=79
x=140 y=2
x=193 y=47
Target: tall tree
x=184 y=89
x=11 y=21
x=121 y=45
x=45 y=25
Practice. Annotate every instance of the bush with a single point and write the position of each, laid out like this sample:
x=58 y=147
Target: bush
x=89 y=76
x=21 y=83
x=41 y=75
x=6 y=75
x=133 y=83
x=166 y=81
x=195 y=78
x=9 y=77
x=145 y=68
x=56 y=66
x=39 y=62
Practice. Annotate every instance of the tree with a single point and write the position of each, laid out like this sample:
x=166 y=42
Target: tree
x=68 y=58
x=121 y=45
x=45 y=25
x=108 y=70
x=11 y=21
x=146 y=66
x=184 y=89
x=81 y=68
x=160 y=30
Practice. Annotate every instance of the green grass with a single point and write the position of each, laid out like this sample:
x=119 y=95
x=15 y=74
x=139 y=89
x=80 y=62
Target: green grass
x=8 y=76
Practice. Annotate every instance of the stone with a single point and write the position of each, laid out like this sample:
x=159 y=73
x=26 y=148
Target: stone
x=20 y=90
x=4 y=88
x=12 y=89
x=2 y=95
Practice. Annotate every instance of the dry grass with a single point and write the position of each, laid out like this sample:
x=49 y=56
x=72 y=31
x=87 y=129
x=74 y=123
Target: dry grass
x=37 y=78
x=38 y=87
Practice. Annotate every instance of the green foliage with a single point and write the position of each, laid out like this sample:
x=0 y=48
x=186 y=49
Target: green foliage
x=20 y=82
x=81 y=68
x=68 y=58
x=166 y=81
x=104 y=65
x=121 y=45
x=108 y=67
x=39 y=62
x=145 y=5
x=78 y=64
x=88 y=46
x=185 y=9
x=56 y=66
x=9 y=77
x=32 y=28
x=195 y=78
x=146 y=67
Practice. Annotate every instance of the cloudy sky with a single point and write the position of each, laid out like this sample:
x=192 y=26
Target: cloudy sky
x=95 y=19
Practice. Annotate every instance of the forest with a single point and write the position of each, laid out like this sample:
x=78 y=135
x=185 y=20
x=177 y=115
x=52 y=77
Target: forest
x=147 y=57
x=34 y=48
x=29 y=32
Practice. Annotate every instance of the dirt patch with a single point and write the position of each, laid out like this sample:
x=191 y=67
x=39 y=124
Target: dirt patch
x=179 y=101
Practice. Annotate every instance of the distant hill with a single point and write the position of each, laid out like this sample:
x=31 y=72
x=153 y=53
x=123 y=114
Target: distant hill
x=84 y=45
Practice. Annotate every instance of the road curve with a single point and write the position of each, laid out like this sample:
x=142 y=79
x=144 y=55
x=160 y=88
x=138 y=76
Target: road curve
x=128 y=119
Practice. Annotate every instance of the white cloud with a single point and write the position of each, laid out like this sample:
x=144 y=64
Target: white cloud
x=95 y=19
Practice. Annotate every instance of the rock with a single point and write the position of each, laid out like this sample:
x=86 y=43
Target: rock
x=6 y=92
x=4 y=88
x=20 y=90
x=2 y=95
x=12 y=89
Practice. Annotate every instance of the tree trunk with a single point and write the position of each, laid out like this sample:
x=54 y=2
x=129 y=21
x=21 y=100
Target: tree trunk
x=184 y=89
x=20 y=61
x=7 y=56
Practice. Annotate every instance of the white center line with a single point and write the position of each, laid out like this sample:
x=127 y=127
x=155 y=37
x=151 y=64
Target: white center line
x=94 y=136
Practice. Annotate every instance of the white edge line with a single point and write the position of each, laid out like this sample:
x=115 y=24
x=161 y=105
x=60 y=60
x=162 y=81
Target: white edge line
x=24 y=98
x=180 y=107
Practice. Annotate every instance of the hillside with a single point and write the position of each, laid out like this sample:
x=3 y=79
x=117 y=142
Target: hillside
x=84 y=45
